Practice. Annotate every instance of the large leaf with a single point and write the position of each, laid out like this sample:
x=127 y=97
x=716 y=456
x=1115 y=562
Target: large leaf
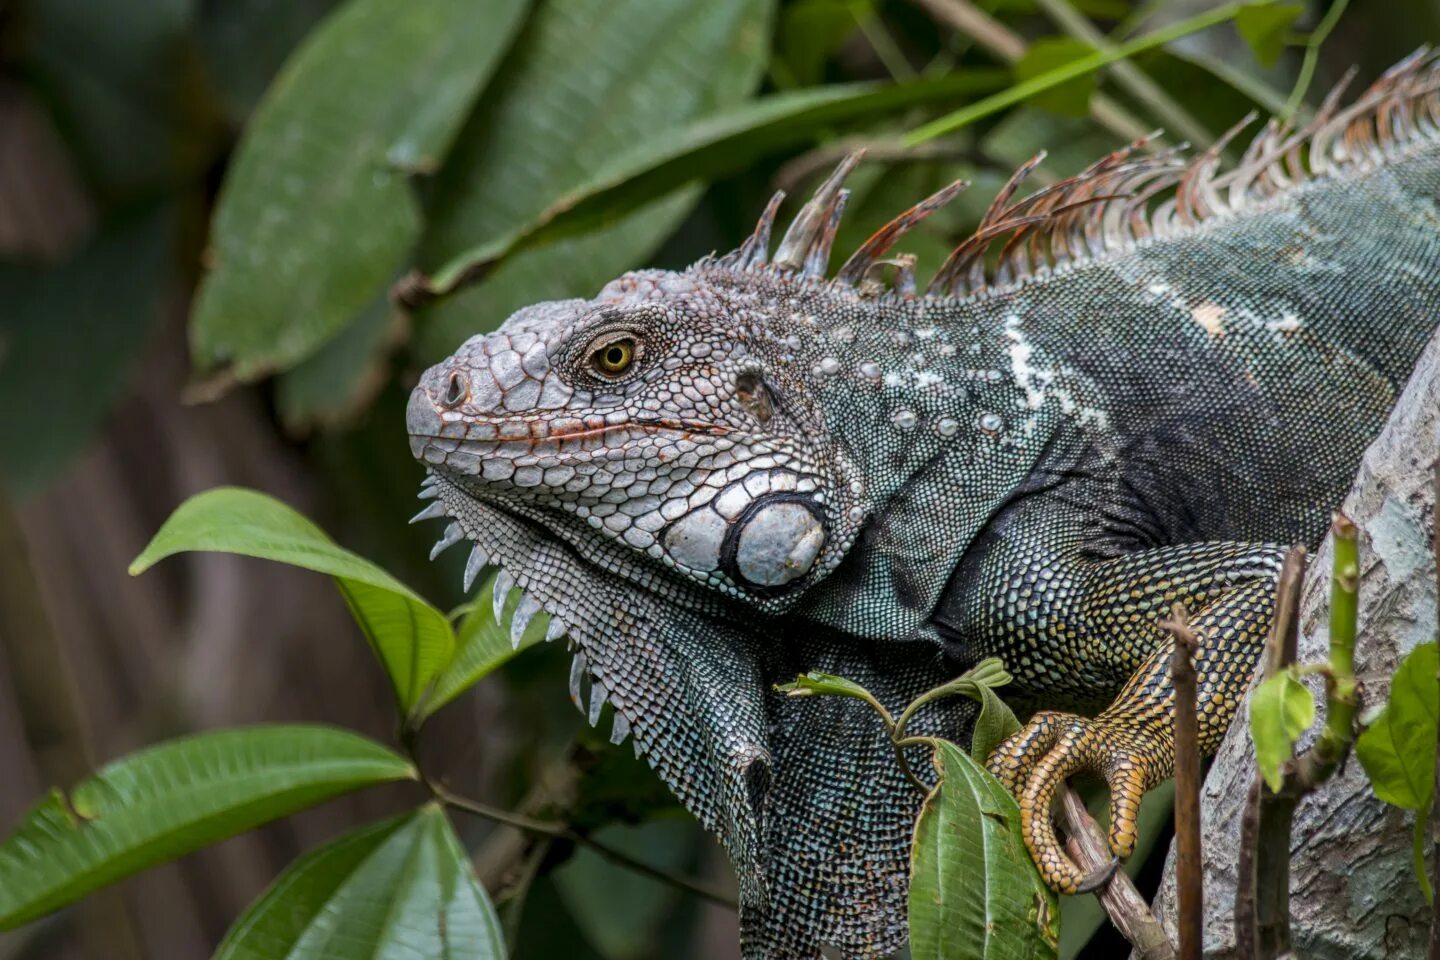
x=664 y=160
x=1281 y=709
x=412 y=638
x=1398 y=748
x=974 y=892
x=398 y=890
x=481 y=647
x=335 y=384
x=587 y=81
x=574 y=267
x=168 y=800
x=315 y=216
x=69 y=338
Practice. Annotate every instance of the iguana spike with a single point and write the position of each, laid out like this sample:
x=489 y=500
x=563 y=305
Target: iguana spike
x=810 y=221
x=619 y=729
x=525 y=611
x=817 y=260
x=599 y=696
x=432 y=511
x=453 y=535
x=578 y=669
x=428 y=493
x=554 y=630
x=477 y=560
x=504 y=583
x=1196 y=198
x=755 y=251
x=883 y=239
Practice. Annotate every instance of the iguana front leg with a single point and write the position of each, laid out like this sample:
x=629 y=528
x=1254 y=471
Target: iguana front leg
x=1117 y=604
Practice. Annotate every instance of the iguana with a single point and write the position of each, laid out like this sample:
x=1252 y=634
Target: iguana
x=714 y=479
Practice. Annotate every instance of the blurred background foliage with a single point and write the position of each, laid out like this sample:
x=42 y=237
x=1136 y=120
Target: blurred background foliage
x=204 y=205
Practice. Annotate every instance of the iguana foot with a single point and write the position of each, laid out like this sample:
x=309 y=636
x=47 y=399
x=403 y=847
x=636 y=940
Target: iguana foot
x=1034 y=763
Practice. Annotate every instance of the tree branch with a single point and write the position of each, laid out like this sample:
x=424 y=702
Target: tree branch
x=1122 y=903
x=1189 y=882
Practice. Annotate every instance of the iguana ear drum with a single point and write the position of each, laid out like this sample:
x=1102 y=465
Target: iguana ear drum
x=773 y=543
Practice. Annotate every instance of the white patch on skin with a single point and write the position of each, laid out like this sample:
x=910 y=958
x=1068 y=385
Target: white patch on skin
x=1027 y=377
x=1211 y=316
x=1287 y=324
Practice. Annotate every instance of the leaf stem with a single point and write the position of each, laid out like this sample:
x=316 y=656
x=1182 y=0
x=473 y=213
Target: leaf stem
x=562 y=831
x=1070 y=71
x=1317 y=38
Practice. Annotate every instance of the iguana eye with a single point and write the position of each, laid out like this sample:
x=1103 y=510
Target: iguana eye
x=614 y=358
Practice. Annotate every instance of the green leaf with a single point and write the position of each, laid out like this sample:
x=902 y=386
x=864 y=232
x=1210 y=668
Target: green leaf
x=996 y=720
x=399 y=889
x=810 y=32
x=974 y=892
x=1281 y=709
x=573 y=267
x=334 y=385
x=412 y=639
x=708 y=148
x=1265 y=28
x=315 y=217
x=588 y=81
x=816 y=683
x=71 y=335
x=481 y=647
x=1398 y=748
x=1070 y=99
x=174 y=798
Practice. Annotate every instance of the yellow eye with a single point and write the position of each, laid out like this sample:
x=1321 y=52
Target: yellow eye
x=615 y=357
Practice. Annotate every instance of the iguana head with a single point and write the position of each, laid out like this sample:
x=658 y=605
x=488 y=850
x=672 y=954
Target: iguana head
x=661 y=426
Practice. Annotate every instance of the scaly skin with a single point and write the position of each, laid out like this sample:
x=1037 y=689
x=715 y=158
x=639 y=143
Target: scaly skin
x=717 y=478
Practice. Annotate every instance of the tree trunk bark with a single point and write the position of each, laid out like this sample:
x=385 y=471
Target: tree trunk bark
x=1353 y=893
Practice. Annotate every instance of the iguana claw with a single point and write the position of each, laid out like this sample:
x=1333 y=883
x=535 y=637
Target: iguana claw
x=1035 y=762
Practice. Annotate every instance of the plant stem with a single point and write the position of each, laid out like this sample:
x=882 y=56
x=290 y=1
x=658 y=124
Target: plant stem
x=1166 y=108
x=1312 y=56
x=1262 y=915
x=1070 y=71
x=1322 y=759
x=562 y=831
x=1188 y=876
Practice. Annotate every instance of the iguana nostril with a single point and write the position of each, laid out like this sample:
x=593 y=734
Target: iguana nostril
x=456 y=390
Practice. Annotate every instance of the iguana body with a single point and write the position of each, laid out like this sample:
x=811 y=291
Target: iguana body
x=718 y=478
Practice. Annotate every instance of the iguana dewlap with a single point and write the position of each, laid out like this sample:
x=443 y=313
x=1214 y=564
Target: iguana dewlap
x=717 y=478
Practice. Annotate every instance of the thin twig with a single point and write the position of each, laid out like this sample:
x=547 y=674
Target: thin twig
x=1122 y=903
x=1137 y=82
x=1007 y=45
x=1189 y=882
x=562 y=831
x=1262 y=918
